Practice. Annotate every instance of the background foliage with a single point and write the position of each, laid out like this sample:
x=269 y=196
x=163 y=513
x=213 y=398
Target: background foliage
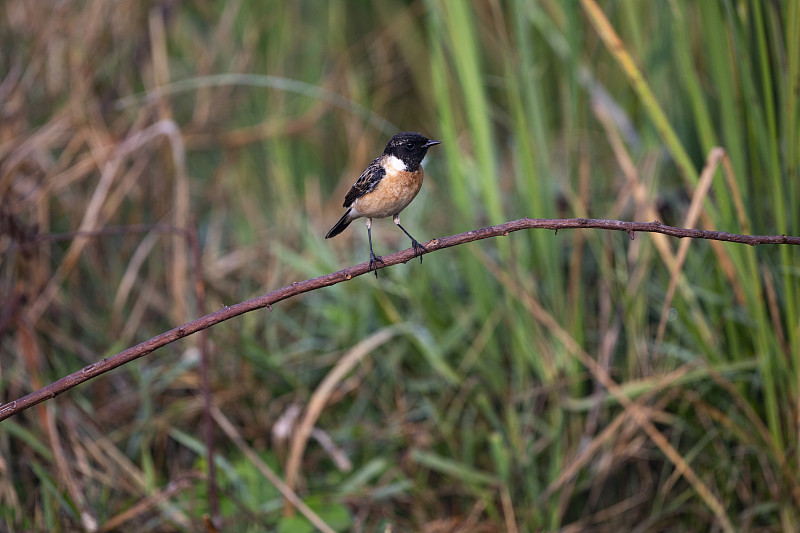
x=538 y=382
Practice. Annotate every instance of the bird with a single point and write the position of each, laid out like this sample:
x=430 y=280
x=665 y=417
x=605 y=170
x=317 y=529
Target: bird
x=386 y=187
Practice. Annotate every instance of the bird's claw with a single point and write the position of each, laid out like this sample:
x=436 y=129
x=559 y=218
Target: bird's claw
x=373 y=263
x=418 y=249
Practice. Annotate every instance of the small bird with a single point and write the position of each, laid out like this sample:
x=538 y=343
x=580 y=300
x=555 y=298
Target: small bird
x=386 y=187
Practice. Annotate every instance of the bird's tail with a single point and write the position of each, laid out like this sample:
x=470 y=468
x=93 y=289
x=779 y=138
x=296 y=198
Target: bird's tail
x=341 y=225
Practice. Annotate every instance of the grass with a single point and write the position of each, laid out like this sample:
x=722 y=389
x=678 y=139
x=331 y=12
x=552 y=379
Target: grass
x=519 y=384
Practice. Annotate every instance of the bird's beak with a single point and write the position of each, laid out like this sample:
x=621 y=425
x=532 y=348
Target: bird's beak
x=431 y=142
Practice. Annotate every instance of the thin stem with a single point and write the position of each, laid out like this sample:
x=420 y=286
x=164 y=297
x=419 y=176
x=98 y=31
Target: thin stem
x=226 y=313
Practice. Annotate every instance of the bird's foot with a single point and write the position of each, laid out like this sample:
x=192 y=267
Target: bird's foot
x=373 y=263
x=418 y=249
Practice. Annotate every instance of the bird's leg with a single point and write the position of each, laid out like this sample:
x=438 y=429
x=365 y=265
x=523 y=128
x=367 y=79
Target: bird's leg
x=373 y=259
x=418 y=248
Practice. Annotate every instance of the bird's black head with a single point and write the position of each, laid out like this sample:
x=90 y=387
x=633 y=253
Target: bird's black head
x=409 y=147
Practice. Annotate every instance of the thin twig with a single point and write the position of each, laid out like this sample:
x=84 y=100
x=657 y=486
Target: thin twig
x=140 y=350
x=41 y=238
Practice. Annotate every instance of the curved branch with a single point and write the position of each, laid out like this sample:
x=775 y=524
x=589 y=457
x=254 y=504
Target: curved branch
x=140 y=350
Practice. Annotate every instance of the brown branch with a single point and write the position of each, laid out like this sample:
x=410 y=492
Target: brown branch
x=140 y=350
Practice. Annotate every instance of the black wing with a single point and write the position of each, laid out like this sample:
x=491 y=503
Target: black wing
x=365 y=183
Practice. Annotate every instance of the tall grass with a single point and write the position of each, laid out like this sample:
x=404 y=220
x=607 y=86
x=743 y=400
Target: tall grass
x=521 y=384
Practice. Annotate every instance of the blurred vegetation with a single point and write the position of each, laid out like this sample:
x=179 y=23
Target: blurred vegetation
x=476 y=406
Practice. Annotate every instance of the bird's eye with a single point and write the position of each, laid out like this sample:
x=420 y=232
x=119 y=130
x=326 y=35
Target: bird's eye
x=409 y=145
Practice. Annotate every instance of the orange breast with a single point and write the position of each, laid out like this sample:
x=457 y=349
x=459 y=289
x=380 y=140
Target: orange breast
x=393 y=193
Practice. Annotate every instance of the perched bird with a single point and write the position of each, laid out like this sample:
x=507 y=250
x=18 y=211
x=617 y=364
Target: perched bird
x=386 y=187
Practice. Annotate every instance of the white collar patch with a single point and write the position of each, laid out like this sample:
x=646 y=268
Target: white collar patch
x=395 y=164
